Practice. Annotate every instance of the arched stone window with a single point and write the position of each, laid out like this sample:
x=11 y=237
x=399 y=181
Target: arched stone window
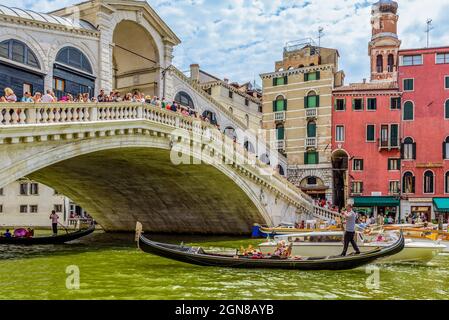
x=446 y=179
x=281 y=170
x=311 y=129
x=230 y=132
x=280 y=132
x=429 y=182
x=247 y=120
x=408 y=149
x=390 y=63
x=408 y=183
x=231 y=110
x=74 y=58
x=446 y=149
x=312 y=100
x=380 y=63
x=408 y=114
x=17 y=51
x=210 y=116
x=184 y=99
x=249 y=146
x=280 y=104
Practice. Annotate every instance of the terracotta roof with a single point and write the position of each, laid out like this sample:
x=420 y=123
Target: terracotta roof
x=369 y=86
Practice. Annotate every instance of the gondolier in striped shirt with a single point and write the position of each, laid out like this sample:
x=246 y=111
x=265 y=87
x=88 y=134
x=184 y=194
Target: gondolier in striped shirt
x=351 y=218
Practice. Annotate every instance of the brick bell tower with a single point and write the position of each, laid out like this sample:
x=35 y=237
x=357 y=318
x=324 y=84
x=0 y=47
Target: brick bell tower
x=384 y=45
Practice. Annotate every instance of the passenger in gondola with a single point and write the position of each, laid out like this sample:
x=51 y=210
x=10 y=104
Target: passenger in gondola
x=7 y=234
x=29 y=233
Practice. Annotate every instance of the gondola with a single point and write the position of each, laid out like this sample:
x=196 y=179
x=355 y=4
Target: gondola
x=58 y=239
x=198 y=256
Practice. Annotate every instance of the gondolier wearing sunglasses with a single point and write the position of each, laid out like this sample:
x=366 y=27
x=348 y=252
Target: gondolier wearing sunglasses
x=351 y=218
x=54 y=222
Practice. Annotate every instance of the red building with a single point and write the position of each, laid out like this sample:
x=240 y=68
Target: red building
x=424 y=82
x=391 y=136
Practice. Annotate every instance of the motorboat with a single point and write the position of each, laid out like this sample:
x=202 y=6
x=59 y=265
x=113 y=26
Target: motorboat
x=423 y=234
x=331 y=243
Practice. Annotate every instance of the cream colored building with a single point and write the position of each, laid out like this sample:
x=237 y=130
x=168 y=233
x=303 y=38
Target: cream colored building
x=26 y=203
x=297 y=113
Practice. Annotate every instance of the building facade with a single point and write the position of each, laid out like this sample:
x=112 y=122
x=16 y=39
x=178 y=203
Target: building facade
x=297 y=111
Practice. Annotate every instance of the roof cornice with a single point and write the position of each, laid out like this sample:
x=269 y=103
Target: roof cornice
x=296 y=71
x=210 y=84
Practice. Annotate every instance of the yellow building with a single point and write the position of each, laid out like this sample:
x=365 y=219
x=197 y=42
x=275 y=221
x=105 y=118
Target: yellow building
x=297 y=113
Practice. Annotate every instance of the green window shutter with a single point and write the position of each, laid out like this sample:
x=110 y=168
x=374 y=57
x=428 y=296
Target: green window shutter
x=394 y=135
x=274 y=82
x=317 y=101
x=306 y=158
x=447 y=109
x=344 y=104
x=353 y=104
x=306 y=102
x=336 y=104
x=318 y=75
x=306 y=77
x=311 y=130
x=274 y=106
x=408 y=111
x=286 y=80
x=389 y=164
x=446 y=82
x=285 y=105
x=281 y=133
x=363 y=104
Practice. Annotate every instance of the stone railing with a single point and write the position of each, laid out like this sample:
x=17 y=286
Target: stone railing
x=279 y=116
x=29 y=114
x=312 y=112
x=311 y=143
x=325 y=214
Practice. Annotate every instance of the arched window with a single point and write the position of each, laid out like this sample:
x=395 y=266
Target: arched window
x=446 y=110
x=390 y=63
x=408 y=111
x=184 y=99
x=429 y=182
x=408 y=149
x=19 y=52
x=281 y=170
x=446 y=179
x=230 y=132
x=312 y=100
x=231 y=110
x=249 y=146
x=380 y=63
x=311 y=129
x=265 y=158
x=408 y=183
x=74 y=58
x=280 y=132
x=247 y=120
x=446 y=149
x=280 y=104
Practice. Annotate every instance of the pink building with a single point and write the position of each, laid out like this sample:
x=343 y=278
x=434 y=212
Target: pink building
x=424 y=82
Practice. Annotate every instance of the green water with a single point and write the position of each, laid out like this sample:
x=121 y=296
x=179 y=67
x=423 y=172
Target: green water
x=112 y=268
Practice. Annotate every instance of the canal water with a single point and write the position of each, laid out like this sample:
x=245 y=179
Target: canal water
x=110 y=267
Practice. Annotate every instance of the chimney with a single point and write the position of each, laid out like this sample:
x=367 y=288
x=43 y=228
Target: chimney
x=226 y=80
x=364 y=80
x=195 y=72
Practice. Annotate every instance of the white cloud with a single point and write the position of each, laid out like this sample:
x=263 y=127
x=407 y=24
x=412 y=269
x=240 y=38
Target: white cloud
x=239 y=39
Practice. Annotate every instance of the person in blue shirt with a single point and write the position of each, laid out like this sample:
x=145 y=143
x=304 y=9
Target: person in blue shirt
x=27 y=97
x=7 y=234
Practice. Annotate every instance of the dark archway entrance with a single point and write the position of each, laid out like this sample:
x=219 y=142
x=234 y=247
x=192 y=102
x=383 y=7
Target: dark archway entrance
x=340 y=165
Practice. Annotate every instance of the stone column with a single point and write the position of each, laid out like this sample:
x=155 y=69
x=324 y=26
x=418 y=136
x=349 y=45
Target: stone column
x=105 y=52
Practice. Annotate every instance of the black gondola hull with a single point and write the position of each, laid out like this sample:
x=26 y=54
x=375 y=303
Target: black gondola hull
x=187 y=255
x=59 y=239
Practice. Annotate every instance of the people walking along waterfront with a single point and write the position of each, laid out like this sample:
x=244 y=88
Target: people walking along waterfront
x=351 y=217
x=54 y=222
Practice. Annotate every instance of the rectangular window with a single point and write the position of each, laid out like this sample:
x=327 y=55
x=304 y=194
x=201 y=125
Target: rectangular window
x=58 y=208
x=23 y=189
x=280 y=81
x=412 y=60
x=339 y=133
x=280 y=133
x=372 y=104
x=311 y=157
x=409 y=151
x=409 y=84
x=59 y=84
x=33 y=209
x=357 y=104
x=231 y=94
x=23 y=209
x=357 y=187
x=442 y=58
x=340 y=104
x=394 y=187
x=446 y=82
x=370 y=133
x=357 y=165
x=395 y=103
x=1 y=208
x=394 y=135
x=312 y=101
x=312 y=76
x=27 y=88
x=34 y=188
x=394 y=164
x=18 y=52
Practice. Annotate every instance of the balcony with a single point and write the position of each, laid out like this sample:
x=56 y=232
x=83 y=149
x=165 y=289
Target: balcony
x=312 y=113
x=279 y=116
x=311 y=143
x=388 y=145
x=278 y=145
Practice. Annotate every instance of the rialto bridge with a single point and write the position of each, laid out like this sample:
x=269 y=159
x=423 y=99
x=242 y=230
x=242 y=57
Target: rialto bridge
x=128 y=162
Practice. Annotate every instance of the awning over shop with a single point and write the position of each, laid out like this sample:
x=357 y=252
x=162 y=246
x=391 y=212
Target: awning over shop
x=441 y=204
x=376 y=202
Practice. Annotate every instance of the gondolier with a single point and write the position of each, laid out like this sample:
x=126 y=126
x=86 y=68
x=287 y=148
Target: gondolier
x=54 y=222
x=351 y=218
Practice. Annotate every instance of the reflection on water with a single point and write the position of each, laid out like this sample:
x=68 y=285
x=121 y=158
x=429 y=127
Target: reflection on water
x=112 y=268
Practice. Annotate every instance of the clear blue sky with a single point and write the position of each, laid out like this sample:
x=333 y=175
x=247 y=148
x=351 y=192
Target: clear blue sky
x=239 y=39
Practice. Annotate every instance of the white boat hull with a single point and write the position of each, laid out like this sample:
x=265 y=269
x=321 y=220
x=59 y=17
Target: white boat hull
x=421 y=252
